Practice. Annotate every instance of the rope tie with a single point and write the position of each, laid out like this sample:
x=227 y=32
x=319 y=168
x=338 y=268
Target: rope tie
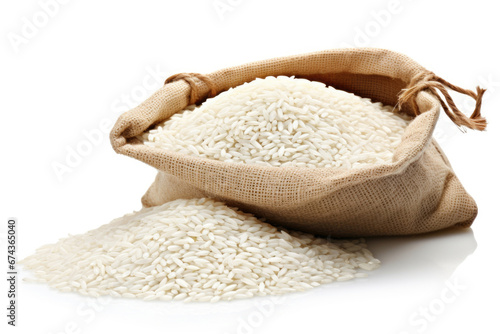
x=194 y=96
x=435 y=85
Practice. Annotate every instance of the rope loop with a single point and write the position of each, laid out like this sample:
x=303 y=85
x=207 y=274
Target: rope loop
x=194 y=96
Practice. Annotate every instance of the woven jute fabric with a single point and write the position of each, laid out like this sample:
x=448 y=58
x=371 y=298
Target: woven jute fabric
x=417 y=192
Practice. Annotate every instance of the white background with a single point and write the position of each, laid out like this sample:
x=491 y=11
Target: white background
x=91 y=60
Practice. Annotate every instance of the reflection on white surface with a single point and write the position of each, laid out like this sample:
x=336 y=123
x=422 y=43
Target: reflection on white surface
x=434 y=255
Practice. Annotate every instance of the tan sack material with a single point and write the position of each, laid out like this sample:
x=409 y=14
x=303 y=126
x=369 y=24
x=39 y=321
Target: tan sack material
x=417 y=192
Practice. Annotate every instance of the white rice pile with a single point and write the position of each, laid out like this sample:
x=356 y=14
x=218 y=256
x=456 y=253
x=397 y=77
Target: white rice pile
x=195 y=249
x=282 y=121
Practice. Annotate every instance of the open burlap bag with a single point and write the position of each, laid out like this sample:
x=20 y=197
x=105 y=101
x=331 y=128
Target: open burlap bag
x=417 y=192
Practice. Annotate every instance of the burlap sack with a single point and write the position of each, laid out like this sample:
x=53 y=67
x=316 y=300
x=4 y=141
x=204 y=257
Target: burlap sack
x=417 y=192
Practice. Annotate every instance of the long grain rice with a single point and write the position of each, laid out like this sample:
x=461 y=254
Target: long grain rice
x=284 y=122
x=152 y=254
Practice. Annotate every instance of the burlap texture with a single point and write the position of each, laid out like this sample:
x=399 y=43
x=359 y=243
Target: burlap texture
x=417 y=192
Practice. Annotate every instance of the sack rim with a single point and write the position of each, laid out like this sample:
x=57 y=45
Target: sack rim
x=316 y=180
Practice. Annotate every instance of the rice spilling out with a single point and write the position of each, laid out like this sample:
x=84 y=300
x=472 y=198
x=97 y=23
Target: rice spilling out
x=195 y=250
x=285 y=122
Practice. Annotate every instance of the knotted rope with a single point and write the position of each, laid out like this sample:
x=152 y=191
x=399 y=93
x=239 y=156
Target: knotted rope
x=435 y=85
x=189 y=78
